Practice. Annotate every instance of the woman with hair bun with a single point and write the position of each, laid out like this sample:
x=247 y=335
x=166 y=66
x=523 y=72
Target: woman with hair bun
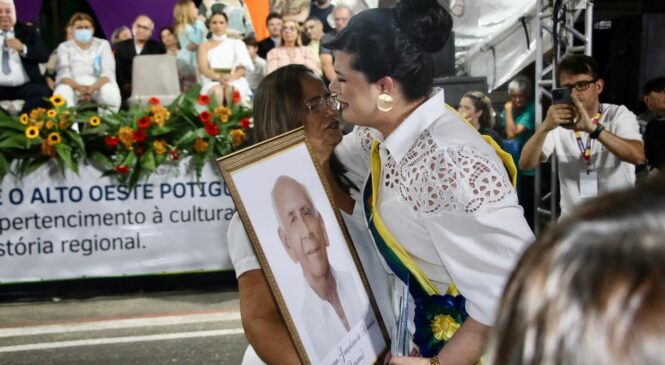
x=438 y=201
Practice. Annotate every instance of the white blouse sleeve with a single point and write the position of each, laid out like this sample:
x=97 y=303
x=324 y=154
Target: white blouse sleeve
x=240 y=249
x=108 y=60
x=353 y=152
x=477 y=227
x=63 y=68
x=242 y=58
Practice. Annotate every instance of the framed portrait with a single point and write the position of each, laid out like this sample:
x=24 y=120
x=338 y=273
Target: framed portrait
x=305 y=251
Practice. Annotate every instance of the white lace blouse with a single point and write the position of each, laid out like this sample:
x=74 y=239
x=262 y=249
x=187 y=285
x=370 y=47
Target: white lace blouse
x=446 y=197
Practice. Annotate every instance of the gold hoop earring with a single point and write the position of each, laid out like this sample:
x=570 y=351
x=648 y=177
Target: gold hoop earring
x=384 y=102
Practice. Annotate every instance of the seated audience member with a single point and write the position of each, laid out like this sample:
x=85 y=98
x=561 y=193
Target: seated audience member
x=274 y=23
x=240 y=23
x=86 y=68
x=341 y=16
x=654 y=133
x=126 y=50
x=476 y=108
x=254 y=77
x=597 y=145
x=314 y=31
x=291 y=51
x=169 y=41
x=296 y=10
x=121 y=33
x=191 y=32
x=223 y=62
x=518 y=123
x=591 y=290
x=22 y=52
x=52 y=63
x=320 y=10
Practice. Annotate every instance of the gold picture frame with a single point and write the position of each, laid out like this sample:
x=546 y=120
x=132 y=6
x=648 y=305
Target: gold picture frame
x=252 y=176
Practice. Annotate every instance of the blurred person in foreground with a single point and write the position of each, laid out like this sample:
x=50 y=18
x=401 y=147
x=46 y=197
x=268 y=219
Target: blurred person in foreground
x=591 y=290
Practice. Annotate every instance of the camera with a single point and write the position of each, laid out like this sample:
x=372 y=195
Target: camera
x=561 y=96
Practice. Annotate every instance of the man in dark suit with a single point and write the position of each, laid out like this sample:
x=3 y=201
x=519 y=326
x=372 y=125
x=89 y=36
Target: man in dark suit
x=126 y=50
x=274 y=23
x=22 y=52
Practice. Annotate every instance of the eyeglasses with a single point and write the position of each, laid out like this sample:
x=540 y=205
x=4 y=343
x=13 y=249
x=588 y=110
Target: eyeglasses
x=319 y=104
x=581 y=85
x=289 y=29
x=144 y=27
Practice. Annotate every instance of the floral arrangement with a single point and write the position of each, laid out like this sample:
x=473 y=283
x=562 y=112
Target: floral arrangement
x=40 y=136
x=128 y=145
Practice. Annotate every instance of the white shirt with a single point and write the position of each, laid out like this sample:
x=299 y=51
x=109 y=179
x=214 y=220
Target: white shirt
x=17 y=76
x=324 y=327
x=613 y=174
x=77 y=63
x=447 y=198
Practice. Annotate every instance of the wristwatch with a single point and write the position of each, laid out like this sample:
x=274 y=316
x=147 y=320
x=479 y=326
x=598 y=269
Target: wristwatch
x=596 y=132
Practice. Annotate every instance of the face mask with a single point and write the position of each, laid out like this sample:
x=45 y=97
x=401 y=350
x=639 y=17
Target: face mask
x=83 y=35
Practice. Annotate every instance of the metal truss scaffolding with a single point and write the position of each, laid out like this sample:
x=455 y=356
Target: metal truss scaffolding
x=558 y=23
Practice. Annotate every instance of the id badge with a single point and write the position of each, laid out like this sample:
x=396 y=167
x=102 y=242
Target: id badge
x=588 y=184
x=401 y=342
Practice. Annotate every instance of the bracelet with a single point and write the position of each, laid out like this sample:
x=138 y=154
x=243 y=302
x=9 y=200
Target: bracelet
x=596 y=132
x=434 y=361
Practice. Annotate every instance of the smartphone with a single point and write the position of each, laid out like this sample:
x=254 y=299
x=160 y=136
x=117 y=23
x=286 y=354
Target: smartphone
x=561 y=96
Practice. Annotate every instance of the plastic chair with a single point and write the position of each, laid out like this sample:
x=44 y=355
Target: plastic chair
x=154 y=76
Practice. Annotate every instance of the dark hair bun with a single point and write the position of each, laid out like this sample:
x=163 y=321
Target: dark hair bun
x=424 y=22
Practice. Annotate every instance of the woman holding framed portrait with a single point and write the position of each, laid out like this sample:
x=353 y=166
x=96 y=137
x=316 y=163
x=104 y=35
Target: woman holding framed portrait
x=438 y=200
x=288 y=98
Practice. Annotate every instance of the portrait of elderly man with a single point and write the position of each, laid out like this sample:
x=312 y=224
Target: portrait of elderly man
x=331 y=305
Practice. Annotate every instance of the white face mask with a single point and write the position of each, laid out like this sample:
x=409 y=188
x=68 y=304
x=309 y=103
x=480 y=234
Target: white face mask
x=220 y=38
x=83 y=35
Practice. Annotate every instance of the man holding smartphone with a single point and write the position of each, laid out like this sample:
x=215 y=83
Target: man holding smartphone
x=597 y=145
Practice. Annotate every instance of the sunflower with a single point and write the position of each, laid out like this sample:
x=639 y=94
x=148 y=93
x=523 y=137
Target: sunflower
x=57 y=100
x=53 y=138
x=95 y=121
x=49 y=124
x=51 y=113
x=24 y=118
x=32 y=132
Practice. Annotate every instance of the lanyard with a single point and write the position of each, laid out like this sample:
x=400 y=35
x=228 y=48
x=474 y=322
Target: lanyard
x=586 y=150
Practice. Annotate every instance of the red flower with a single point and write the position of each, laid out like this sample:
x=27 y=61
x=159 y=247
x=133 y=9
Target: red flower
x=204 y=99
x=122 y=169
x=236 y=96
x=153 y=101
x=138 y=150
x=140 y=135
x=244 y=123
x=143 y=122
x=212 y=129
x=111 y=141
x=205 y=117
x=175 y=155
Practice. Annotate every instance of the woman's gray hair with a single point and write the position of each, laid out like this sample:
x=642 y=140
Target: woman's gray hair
x=520 y=83
x=591 y=290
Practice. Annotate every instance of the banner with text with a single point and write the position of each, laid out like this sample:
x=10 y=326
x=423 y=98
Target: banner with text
x=54 y=227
